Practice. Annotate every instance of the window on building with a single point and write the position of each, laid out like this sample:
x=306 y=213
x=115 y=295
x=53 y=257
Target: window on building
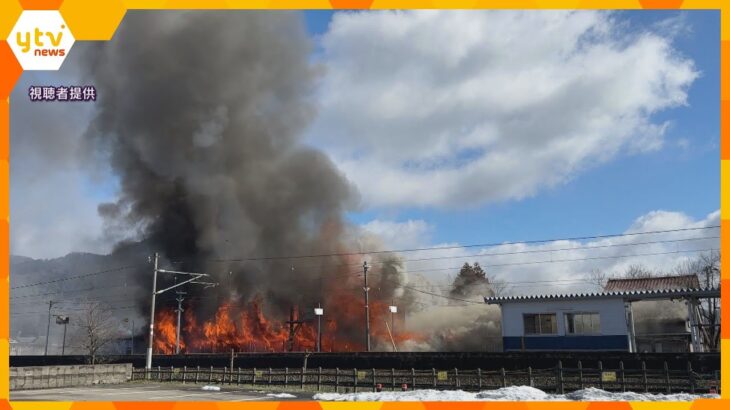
x=540 y=324
x=582 y=323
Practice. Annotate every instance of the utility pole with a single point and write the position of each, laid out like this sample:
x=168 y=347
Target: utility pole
x=295 y=323
x=63 y=346
x=194 y=279
x=367 y=307
x=62 y=320
x=180 y=298
x=48 y=328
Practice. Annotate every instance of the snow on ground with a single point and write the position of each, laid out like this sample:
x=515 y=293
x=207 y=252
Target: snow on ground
x=211 y=388
x=512 y=393
x=281 y=395
x=593 y=394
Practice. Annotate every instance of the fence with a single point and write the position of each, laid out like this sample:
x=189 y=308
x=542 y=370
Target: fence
x=558 y=379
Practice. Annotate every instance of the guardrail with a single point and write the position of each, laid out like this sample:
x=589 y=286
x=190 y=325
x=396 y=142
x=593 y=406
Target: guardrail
x=558 y=379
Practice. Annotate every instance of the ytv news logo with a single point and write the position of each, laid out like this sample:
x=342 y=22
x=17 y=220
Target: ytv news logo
x=40 y=40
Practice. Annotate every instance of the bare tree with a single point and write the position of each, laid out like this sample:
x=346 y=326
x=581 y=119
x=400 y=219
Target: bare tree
x=598 y=277
x=96 y=328
x=638 y=271
x=499 y=287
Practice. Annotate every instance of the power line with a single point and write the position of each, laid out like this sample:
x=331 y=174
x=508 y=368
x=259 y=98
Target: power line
x=523 y=263
x=68 y=291
x=443 y=269
x=475 y=256
x=533 y=262
x=554 y=250
x=531 y=251
x=85 y=275
x=567 y=260
x=431 y=249
x=510 y=283
x=74 y=310
x=74 y=301
x=493 y=244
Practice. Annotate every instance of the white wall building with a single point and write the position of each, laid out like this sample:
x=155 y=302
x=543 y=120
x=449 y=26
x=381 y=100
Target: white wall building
x=588 y=321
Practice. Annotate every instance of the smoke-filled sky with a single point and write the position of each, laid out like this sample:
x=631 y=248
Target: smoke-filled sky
x=431 y=127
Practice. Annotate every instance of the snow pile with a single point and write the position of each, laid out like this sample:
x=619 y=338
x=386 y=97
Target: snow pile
x=593 y=394
x=512 y=393
x=211 y=388
x=281 y=395
x=418 y=395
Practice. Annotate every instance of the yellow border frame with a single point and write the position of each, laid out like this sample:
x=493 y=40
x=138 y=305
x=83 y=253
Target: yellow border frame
x=98 y=19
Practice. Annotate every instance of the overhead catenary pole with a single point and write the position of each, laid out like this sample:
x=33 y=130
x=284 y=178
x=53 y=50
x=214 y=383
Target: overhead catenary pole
x=48 y=327
x=194 y=279
x=367 y=307
x=179 y=299
x=148 y=362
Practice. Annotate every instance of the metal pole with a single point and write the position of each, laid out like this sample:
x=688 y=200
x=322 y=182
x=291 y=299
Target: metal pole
x=319 y=330
x=63 y=346
x=632 y=328
x=48 y=328
x=148 y=363
x=392 y=318
x=131 y=339
x=179 y=299
x=367 y=308
x=693 y=325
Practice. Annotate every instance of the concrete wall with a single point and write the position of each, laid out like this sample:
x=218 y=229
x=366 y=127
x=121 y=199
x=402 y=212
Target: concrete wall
x=46 y=377
x=611 y=311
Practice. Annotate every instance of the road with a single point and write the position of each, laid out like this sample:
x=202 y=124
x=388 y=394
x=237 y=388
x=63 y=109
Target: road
x=148 y=392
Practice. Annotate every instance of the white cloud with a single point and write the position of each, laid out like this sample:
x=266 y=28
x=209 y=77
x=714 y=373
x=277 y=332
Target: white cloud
x=400 y=235
x=667 y=220
x=447 y=108
x=565 y=265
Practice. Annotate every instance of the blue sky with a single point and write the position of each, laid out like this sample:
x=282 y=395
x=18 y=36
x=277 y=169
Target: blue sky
x=682 y=176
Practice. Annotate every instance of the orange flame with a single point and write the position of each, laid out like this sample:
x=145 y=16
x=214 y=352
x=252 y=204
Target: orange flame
x=245 y=328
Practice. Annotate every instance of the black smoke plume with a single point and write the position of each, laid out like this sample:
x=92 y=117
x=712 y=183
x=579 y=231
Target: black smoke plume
x=200 y=117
